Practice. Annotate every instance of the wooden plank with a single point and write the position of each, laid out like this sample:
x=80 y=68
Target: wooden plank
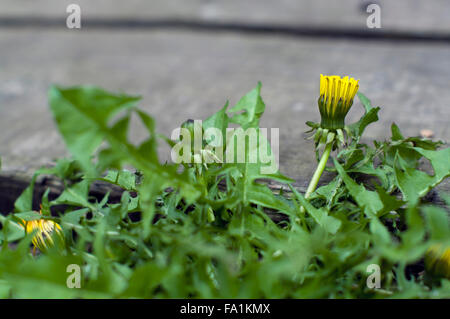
x=403 y=15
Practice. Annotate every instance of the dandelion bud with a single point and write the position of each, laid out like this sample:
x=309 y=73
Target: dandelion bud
x=437 y=261
x=335 y=100
x=47 y=233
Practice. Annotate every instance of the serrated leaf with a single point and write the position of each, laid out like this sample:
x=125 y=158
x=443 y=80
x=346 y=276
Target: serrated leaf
x=373 y=203
x=414 y=183
x=368 y=200
x=251 y=108
x=370 y=116
x=76 y=195
x=74 y=217
x=123 y=178
x=94 y=108
x=83 y=114
x=252 y=167
x=320 y=215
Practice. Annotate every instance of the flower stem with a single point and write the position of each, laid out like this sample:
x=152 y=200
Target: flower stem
x=319 y=170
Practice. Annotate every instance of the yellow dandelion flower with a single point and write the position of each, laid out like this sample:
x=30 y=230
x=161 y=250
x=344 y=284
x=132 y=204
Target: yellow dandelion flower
x=437 y=261
x=46 y=232
x=336 y=98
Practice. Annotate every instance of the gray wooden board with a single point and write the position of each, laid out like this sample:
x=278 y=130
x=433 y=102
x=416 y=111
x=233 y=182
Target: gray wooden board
x=185 y=75
x=404 y=15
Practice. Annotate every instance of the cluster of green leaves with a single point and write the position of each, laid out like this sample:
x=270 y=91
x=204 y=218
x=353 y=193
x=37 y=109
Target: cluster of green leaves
x=199 y=231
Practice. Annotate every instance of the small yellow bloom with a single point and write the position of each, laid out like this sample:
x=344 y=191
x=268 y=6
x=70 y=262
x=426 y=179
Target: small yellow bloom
x=437 y=261
x=336 y=98
x=45 y=233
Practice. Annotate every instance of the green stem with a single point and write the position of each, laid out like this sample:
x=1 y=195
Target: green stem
x=319 y=170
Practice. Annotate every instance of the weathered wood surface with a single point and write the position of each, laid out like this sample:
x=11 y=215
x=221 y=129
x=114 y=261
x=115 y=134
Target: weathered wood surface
x=185 y=74
x=398 y=15
x=181 y=75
